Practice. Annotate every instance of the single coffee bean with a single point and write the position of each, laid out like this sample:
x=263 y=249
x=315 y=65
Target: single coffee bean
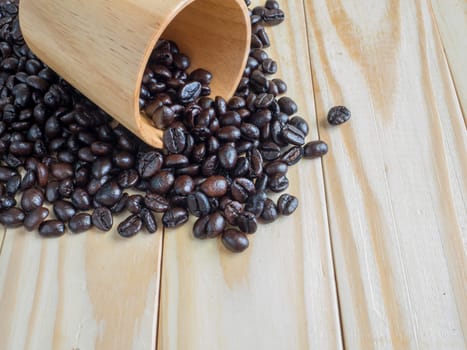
x=149 y=221
x=269 y=213
x=255 y=203
x=81 y=199
x=28 y=181
x=12 y=217
x=108 y=194
x=174 y=217
x=228 y=156
x=100 y=148
x=235 y=241
x=101 y=167
x=292 y=156
x=214 y=186
x=64 y=210
x=52 y=228
x=339 y=115
x=247 y=223
x=61 y=171
x=209 y=226
x=102 y=219
x=66 y=188
x=190 y=92
x=174 y=140
x=300 y=124
x=292 y=135
x=241 y=189
x=81 y=222
x=269 y=66
x=42 y=173
x=148 y=164
x=276 y=167
x=135 y=203
x=31 y=199
x=13 y=184
x=270 y=151
x=163 y=117
x=184 y=185
x=130 y=226
x=288 y=106
x=124 y=160
x=278 y=183
x=287 y=204
x=198 y=204
x=128 y=178
x=156 y=203
x=162 y=182
x=52 y=191
x=315 y=149
x=229 y=134
x=34 y=218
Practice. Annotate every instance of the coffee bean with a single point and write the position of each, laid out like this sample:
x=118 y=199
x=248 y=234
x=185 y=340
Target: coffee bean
x=235 y=240
x=102 y=219
x=121 y=204
x=101 y=167
x=176 y=161
x=28 y=181
x=270 y=151
x=156 y=203
x=163 y=117
x=292 y=156
x=108 y=194
x=81 y=222
x=174 y=140
x=149 y=221
x=64 y=210
x=228 y=156
x=162 y=182
x=34 y=218
x=276 y=167
x=247 y=223
x=269 y=213
x=184 y=185
x=300 y=124
x=287 y=105
x=229 y=134
x=339 y=115
x=315 y=149
x=52 y=228
x=273 y=16
x=269 y=66
x=278 y=183
x=128 y=178
x=292 y=135
x=31 y=199
x=214 y=186
x=198 y=204
x=255 y=203
x=81 y=199
x=174 y=217
x=130 y=226
x=42 y=173
x=190 y=92
x=13 y=184
x=149 y=164
x=209 y=226
x=232 y=209
x=12 y=217
x=241 y=189
x=61 y=171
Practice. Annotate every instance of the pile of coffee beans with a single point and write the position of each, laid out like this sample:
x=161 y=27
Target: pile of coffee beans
x=66 y=164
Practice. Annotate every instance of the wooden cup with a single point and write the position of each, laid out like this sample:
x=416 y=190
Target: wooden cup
x=102 y=46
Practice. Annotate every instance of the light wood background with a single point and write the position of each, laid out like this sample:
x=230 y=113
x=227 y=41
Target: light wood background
x=375 y=258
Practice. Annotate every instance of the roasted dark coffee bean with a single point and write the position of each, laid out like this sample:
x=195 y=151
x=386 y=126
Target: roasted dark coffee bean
x=42 y=173
x=288 y=106
x=269 y=66
x=210 y=165
x=261 y=117
x=52 y=228
x=198 y=204
x=201 y=75
x=156 y=203
x=276 y=167
x=102 y=219
x=242 y=168
x=64 y=210
x=6 y=173
x=292 y=135
x=262 y=183
x=162 y=182
x=12 y=217
x=241 y=189
x=79 y=223
x=255 y=203
x=31 y=199
x=121 y=204
x=247 y=222
x=213 y=145
x=287 y=204
x=128 y=178
x=190 y=92
x=174 y=140
x=215 y=186
x=100 y=148
x=270 y=151
x=163 y=117
x=228 y=156
x=34 y=218
x=28 y=181
x=269 y=213
x=209 y=226
x=176 y=161
x=52 y=191
x=7 y=202
x=108 y=194
x=258 y=81
x=256 y=160
x=61 y=171
x=278 y=183
x=148 y=164
x=235 y=241
x=339 y=115
x=149 y=221
x=21 y=148
x=174 y=217
x=272 y=5
x=124 y=160
x=81 y=199
x=249 y=131
x=273 y=16
x=130 y=226
x=300 y=124
x=315 y=149
x=229 y=134
x=66 y=188
x=101 y=167
x=184 y=185
x=264 y=100
x=292 y=156
x=13 y=184
x=135 y=203
x=191 y=170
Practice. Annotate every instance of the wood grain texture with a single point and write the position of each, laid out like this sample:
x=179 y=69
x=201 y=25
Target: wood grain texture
x=451 y=17
x=92 y=291
x=279 y=294
x=396 y=174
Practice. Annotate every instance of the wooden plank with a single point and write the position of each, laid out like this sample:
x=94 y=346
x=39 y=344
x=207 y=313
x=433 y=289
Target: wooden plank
x=91 y=291
x=280 y=294
x=451 y=18
x=396 y=176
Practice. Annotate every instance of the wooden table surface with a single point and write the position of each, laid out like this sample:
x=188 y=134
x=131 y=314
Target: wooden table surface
x=375 y=258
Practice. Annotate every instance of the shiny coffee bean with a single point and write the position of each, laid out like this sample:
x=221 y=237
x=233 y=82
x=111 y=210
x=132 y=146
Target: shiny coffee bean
x=270 y=213
x=108 y=194
x=31 y=199
x=287 y=204
x=102 y=219
x=64 y=210
x=81 y=199
x=174 y=217
x=214 y=186
x=52 y=228
x=149 y=221
x=235 y=241
x=34 y=218
x=198 y=204
x=276 y=167
x=156 y=202
x=162 y=182
x=184 y=185
x=209 y=226
x=339 y=115
x=292 y=156
x=300 y=124
x=278 y=183
x=315 y=149
x=130 y=226
x=79 y=223
x=174 y=140
x=227 y=156
x=247 y=223
x=241 y=189
x=255 y=203
x=135 y=203
x=12 y=218
x=232 y=210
